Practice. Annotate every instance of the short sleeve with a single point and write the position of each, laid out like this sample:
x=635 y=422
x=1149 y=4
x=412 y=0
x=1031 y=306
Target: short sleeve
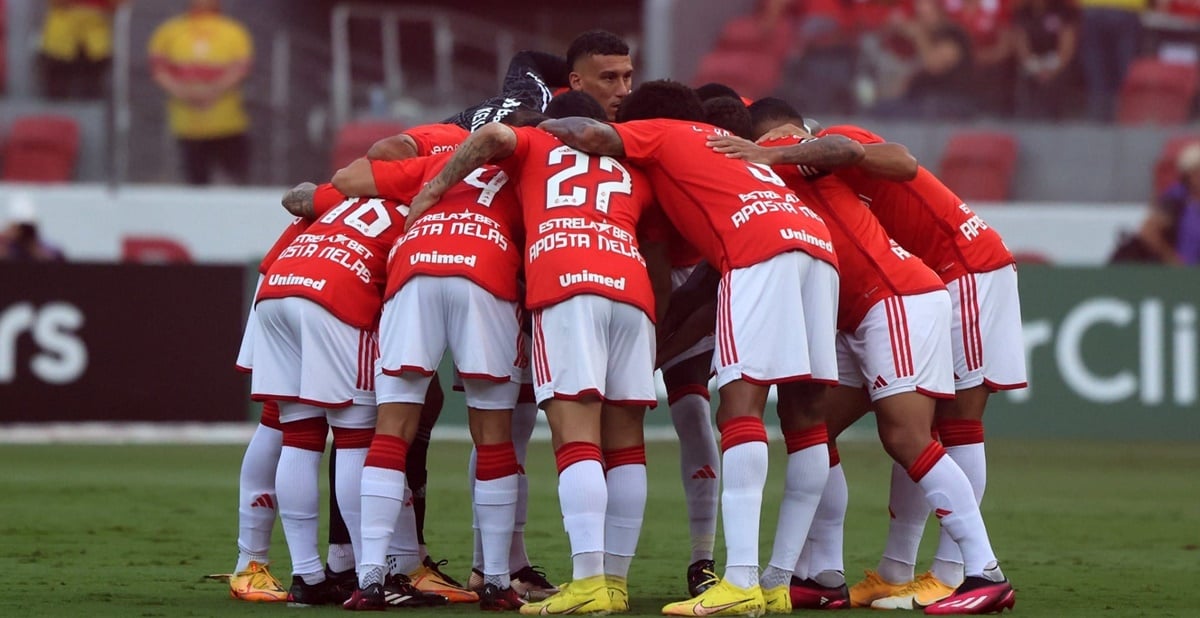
x=641 y=138
x=511 y=163
x=857 y=134
x=432 y=138
x=325 y=198
x=401 y=180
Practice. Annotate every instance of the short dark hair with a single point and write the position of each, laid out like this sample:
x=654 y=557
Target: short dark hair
x=576 y=103
x=661 y=98
x=771 y=109
x=712 y=90
x=595 y=43
x=523 y=117
x=729 y=114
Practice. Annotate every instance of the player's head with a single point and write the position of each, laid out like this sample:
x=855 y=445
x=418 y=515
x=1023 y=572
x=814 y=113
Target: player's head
x=524 y=117
x=729 y=114
x=662 y=98
x=576 y=103
x=712 y=90
x=600 y=65
x=768 y=113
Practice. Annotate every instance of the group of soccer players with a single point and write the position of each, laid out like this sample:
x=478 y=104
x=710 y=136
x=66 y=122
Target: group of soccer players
x=575 y=243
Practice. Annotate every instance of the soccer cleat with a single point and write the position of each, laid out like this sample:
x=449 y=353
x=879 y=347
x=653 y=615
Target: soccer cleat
x=618 y=593
x=701 y=575
x=399 y=591
x=475 y=581
x=429 y=578
x=343 y=585
x=870 y=588
x=497 y=599
x=531 y=584
x=777 y=600
x=808 y=594
x=370 y=598
x=301 y=594
x=256 y=584
x=921 y=592
x=976 y=595
x=583 y=596
x=722 y=599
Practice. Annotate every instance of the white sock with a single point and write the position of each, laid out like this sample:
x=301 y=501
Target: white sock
x=477 y=550
x=382 y=491
x=947 y=562
x=340 y=557
x=256 y=496
x=823 y=548
x=700 y=469
x=744 y=471
x=524 y=419
x=909 y=510
x=583 y=497
x=296 y=491
x=623 y=520
x=495 y=507
x=950 y=495
x=404 y=555
x=807 y=472
x=349 y=471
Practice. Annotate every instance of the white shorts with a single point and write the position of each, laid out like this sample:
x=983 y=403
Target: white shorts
x=302 y=353
x=705 y=345
x=357 y=416
x=987 y=335
x=591 y=345
x=429 y=314
x=245 y=358
x=777 y=322
x=901 y=345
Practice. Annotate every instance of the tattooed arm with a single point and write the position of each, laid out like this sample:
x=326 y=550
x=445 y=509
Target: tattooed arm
x=585 y=134
x=491 y=142
x=827 y=152
x=299 y=200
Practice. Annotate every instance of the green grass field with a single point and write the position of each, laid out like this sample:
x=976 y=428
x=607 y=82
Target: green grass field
x=1082 y=529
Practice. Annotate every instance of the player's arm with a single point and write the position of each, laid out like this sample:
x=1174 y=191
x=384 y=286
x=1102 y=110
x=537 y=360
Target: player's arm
x=356 y=179
x=828 y=152
x=491 y=142
x=889 y=161
x=394 y=148
x=585 y=134
x=299 y=200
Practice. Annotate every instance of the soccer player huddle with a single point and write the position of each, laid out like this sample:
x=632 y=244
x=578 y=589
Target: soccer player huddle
x=566 y=239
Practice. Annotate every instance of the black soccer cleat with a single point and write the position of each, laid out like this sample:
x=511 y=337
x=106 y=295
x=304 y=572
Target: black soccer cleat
x=370 y=599
x=321 y=593
x=701 y=575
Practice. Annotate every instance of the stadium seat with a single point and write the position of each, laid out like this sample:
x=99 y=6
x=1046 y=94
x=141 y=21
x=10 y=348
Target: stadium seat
x=979 y=165
x=1157 y=92
x=153 y=250
x=753 y=74
x=355 y=138
x=1032 y=257
x=745 y=33
x=41 y=148
x=1164 y=168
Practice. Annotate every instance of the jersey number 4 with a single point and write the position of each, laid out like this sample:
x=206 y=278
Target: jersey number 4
x=581 y=164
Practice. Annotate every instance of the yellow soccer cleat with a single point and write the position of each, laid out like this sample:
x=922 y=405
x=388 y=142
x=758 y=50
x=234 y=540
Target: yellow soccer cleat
x=428 y=578
x=618 y=593
x=872 y=587
x=723 y=599
x=589 y=595
x=921 y=592
x=257 y=584
x=778 y=600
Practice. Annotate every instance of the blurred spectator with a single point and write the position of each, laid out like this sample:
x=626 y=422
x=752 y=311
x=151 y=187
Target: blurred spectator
x=1172 y=230
x=886 y=59
x=1046 y=37
x=820 y=77
x=987 y=22
x=20 y=240
x=200 y=59
x=1108 y=41
x=76 y=48
x=940 y=88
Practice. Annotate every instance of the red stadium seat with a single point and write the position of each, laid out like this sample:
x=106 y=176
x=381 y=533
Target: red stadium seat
x=1032 y=257
x=1165 y=171
x=752 y=74
x=745 y=33
x=355 y=138
x=153 y=250
x=1157 y=92
x=41 y=149
x=979 y=165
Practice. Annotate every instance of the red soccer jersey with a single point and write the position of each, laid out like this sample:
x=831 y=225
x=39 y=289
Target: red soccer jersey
x=926 y=217
x=581 y=220
x=736 y=214
x=469 y=233
x=873 y=266
x=340 y=261
x=294 y=229
x=437 y=138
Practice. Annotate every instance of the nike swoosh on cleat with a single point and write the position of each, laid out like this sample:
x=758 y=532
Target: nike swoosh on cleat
x=700 y=609
x=570 y=610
